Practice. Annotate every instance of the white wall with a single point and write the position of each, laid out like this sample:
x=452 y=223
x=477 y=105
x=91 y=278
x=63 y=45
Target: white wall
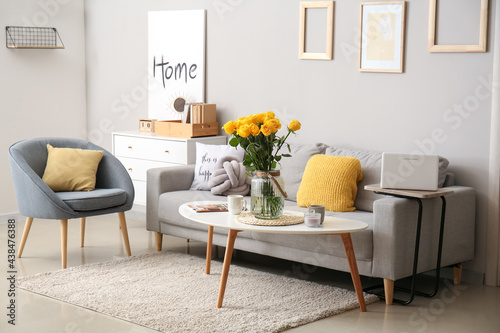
x=42 y=91
x=253 y=66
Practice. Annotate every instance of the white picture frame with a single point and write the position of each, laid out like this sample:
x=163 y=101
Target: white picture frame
x=382 y=31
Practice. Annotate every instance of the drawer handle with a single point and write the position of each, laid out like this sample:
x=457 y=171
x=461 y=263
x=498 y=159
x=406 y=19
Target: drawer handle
x=129 y=147
x=129 y=169
x=167 y=151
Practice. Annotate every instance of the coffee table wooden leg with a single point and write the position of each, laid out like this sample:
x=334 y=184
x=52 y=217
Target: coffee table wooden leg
x=351 y=258
x=209 y=249
x=227 y=262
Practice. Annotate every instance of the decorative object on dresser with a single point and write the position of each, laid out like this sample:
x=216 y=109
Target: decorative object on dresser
x=176 y=61
x=139 y=152
x=178 y=129
x=198 y=119
x=203 y=113
x=147 y=125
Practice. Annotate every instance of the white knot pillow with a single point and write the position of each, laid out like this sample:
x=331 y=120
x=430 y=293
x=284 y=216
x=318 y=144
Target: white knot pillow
x=229 y=178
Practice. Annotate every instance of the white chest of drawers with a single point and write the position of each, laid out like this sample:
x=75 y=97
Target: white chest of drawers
x=140 y=151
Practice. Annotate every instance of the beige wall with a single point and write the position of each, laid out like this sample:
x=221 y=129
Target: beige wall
x=42 y=91
x=441 y=104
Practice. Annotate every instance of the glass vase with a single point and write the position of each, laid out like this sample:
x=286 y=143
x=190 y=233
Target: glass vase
x=267 y=195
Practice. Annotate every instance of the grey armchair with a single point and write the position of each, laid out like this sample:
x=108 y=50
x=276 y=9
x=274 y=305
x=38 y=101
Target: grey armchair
x=114 y=192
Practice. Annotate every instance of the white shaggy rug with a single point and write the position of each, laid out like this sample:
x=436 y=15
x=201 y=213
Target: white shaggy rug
x=169 y=292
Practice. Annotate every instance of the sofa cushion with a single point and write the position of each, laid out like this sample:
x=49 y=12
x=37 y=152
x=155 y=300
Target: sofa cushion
x=82 y=201
x=206 y=159
x=371 y=168
x=292 y=168
x=330 y=181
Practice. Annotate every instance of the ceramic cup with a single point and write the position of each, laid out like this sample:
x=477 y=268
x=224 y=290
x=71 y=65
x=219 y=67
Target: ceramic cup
x=318 y=209
x=312 y=219
x=235 y=204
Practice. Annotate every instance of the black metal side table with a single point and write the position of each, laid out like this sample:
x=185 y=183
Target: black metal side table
x=416 y=196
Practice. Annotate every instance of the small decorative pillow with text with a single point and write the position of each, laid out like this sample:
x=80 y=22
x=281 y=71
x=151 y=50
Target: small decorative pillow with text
x=206 y=160
x=71 y=169
x=330 y=181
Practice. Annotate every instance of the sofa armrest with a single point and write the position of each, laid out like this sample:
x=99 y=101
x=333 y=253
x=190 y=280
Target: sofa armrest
x=161 y=180
x=394 y=233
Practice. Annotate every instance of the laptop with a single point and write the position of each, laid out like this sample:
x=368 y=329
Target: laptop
x=409 y=171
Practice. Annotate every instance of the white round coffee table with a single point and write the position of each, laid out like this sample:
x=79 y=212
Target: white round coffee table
x=331 y=226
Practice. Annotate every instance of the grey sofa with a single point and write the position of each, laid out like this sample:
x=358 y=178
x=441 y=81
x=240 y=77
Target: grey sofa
x=385 y=250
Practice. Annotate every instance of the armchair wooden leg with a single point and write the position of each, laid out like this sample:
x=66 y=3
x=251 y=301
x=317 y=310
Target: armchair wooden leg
x=389 y=291
x=64 y=242
x=123 y=226
x=82 y=231
x=159 y=240
x=27 y=227
x=457 y=274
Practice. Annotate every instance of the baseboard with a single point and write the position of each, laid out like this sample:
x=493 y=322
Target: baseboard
x=468 y=276
x=137 y=213
x=4 y=218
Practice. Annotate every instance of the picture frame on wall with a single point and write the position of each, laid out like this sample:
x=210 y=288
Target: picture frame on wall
x=327 y=52
x=382 y=33
x=483 y=31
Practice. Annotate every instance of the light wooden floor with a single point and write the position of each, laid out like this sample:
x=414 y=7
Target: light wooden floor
x=467 y=308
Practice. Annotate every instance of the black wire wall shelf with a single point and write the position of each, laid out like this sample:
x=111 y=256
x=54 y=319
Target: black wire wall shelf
x=32 y=38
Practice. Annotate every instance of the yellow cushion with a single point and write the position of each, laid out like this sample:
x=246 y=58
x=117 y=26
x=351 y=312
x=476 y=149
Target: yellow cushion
x=330 y=181
x=71 y=169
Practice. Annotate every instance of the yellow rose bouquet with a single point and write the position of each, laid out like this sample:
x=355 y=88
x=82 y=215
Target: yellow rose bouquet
x=256 y=134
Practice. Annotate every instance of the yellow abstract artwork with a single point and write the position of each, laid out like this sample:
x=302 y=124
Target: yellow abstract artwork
x=380 y=36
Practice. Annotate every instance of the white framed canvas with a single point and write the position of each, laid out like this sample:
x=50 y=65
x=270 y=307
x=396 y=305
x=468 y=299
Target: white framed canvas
x=176 y=60
x=382 y=27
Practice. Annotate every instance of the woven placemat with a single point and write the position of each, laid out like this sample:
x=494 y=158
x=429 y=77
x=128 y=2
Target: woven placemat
x=285 y=219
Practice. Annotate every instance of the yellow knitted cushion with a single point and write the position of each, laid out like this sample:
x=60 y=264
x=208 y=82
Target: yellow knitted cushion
x=330 y=181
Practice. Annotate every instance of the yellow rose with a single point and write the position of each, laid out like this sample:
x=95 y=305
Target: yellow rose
x=239 y=122
x=269 y=116
x=254 y=129
x=261 y=118
x=273 y=124
x=229 y=127
x=244 y=130
x=252 y=119
x=294 y=125
x=265 y=130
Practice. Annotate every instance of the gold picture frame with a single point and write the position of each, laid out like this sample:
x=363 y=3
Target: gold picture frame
x=483 y=32
x=328 y=54
x=382 y=36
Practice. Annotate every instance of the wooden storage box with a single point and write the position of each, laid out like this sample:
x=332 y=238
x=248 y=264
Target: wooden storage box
x=177 y=129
